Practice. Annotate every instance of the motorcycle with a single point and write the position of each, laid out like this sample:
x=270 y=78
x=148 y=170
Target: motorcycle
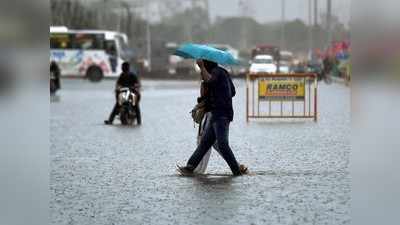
x=127 y=101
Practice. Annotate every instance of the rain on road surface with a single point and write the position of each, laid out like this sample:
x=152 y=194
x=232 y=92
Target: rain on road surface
x=126 y=175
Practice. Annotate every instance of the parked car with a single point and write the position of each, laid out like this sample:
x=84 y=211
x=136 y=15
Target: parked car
x=284 y=67
x=286 y=61
x=262 y=64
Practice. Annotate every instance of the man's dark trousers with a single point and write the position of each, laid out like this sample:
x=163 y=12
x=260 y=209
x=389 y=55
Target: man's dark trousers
x=216 y=130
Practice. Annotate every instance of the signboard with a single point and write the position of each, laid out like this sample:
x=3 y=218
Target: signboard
x=281 y=89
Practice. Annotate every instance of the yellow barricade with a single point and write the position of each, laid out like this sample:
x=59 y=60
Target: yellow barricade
x=281 y=96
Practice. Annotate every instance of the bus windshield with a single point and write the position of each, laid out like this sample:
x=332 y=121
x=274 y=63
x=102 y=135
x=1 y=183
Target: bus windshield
x=122 y=42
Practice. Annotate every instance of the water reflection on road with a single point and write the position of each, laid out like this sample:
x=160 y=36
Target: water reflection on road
x=126 y=175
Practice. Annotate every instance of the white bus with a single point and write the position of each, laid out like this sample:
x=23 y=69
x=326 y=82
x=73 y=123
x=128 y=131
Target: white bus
x=92 y=54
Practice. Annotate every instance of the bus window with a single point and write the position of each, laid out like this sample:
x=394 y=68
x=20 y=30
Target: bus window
x=60 y=41
x=88 y=41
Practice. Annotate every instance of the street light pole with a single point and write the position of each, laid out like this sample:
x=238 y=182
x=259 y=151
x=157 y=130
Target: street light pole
x=243 y=31
x=101 y=17
x=316 y=13
x=148 y=36
x=310 y=29
x=329 y=20
x=283 y=42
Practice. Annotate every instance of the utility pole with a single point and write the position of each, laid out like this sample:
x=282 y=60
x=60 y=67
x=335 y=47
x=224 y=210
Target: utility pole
x=329 y=20
x=204 y=7
x=207 y=8
x=101 y=15
x=283 y=21
x=316 y=13
x=244 y=10
x=148 y=35
x=188 y=25
x=310 y=29
x=127 y=8
x=121 y=10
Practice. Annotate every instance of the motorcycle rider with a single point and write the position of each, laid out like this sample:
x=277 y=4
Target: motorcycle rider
x=54 y=77
x=130 y=80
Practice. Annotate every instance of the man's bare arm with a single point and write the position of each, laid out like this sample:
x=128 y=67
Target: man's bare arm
x=205 y=75
x=117 y=85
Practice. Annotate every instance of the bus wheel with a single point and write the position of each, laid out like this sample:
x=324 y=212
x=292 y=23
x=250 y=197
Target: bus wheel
x=94 y=74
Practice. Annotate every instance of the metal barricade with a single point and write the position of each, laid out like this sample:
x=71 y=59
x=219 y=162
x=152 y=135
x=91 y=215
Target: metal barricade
x=281 y=96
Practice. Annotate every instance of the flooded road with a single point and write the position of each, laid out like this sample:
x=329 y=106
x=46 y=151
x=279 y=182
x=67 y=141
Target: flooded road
x=126 y=175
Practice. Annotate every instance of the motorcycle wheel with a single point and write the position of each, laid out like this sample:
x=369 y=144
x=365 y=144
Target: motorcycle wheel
x=126 y=118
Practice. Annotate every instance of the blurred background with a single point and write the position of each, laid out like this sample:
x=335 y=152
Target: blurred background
x=302 y=30
x=97 y=169
x=153 y=29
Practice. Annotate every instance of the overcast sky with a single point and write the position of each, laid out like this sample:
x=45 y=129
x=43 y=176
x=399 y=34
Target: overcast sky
x=270 y=10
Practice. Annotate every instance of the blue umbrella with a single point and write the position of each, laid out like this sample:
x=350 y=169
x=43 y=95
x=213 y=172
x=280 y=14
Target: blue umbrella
x=197 y=51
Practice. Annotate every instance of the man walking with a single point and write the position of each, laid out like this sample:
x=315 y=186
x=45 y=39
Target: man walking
x=221 y=91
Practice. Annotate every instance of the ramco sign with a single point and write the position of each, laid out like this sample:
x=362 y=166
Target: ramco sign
x=281 y=90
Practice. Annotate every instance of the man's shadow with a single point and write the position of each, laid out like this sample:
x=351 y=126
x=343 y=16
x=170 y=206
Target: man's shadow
x=211 y=180
x=121 y=126
x=211 y=190
x=54 y=98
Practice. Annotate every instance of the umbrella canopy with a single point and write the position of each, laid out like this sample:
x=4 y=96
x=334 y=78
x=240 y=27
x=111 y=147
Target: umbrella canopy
x=197 y=51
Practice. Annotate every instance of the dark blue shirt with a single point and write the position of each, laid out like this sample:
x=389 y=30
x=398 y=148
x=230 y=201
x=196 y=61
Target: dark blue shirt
x=221 y=90
x=128 y=80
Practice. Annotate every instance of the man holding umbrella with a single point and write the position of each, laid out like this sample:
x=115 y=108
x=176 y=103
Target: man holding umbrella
x=219 y=100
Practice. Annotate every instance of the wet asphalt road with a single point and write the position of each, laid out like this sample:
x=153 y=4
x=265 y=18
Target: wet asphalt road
x=126 y=175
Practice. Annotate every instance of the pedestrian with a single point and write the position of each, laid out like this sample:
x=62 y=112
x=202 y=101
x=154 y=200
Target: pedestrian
x=201 y=168
x=112 y=57
x=220 y=90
